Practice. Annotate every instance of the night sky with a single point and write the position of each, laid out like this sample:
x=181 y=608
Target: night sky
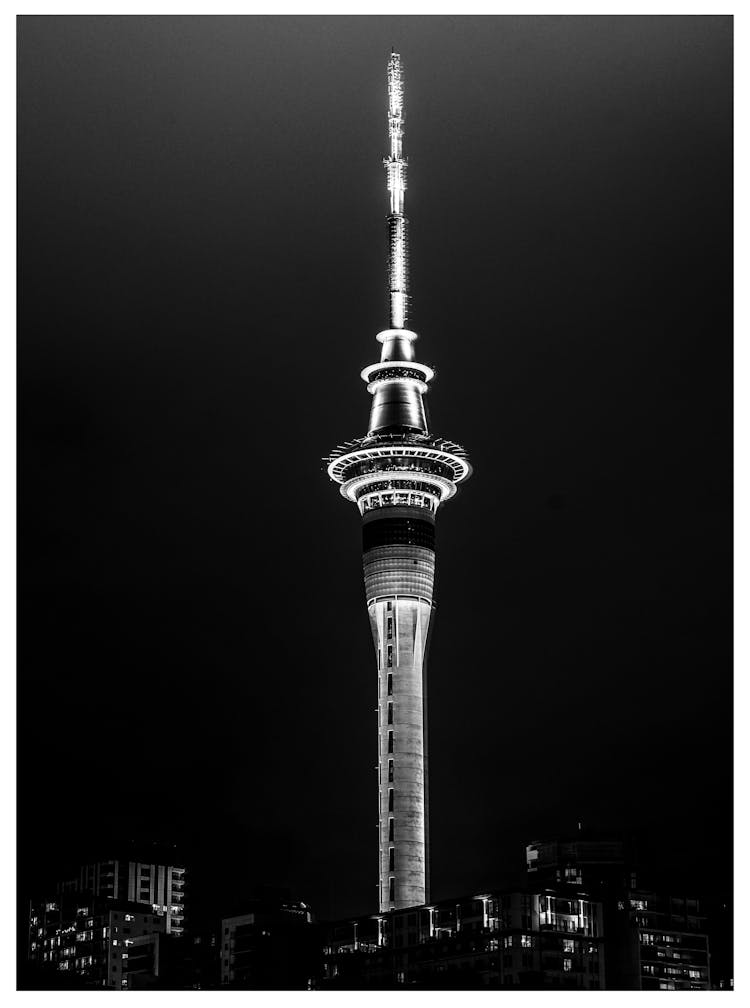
x=202 y=274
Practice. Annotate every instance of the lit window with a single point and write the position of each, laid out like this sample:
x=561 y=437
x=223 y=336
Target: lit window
x=129 y=917
x=567 y=965
x=525 y=941
x=568 y=945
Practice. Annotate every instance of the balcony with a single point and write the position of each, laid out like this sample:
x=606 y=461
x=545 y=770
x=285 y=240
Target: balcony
x=566 y=927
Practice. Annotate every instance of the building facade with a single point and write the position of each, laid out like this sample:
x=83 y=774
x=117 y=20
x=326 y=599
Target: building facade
x=398 y=475
x=159 y=886
x=517 y=940
x=274 y=946
x=114 y=923
x=105 y=942
x=654 y=940
x=657 y=941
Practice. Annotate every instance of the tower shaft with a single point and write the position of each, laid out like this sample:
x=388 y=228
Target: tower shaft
x=399 y=578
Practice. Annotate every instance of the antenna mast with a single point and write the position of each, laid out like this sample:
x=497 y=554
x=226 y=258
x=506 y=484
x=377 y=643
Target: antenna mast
x=395 y=165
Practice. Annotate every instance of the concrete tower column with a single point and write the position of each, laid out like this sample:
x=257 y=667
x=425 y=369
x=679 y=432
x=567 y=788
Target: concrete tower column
x=399 y=579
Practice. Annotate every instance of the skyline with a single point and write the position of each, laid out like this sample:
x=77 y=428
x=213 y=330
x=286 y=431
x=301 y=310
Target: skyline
x=197 y=289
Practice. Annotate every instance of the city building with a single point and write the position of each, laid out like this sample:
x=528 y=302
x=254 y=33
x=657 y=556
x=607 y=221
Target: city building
x=398 y=474
x=106 y=942
x=598 y=861
x=159 y=886
x=521 y=940
x=273 y=946
x=114 y=923
x=653 y=940
x=656 y=942
x=200 y=965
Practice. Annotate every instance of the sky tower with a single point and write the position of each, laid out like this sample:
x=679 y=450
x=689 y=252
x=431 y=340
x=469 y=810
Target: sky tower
x=398 y=475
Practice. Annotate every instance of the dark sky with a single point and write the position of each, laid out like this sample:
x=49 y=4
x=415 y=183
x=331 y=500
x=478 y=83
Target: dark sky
x=202 y=274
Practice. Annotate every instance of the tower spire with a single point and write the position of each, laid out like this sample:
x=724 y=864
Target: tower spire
x=395 y=166
x=397 y=391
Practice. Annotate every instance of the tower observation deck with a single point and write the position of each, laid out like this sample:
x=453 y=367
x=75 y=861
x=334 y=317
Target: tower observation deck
x=398 y=475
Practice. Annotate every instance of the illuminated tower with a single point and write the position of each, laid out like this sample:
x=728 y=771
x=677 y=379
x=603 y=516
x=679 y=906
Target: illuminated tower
x=398 y=475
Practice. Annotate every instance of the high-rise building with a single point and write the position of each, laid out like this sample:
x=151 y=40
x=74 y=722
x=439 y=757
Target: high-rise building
x=398 y=474
x=113 y=923
x=274 y=945
x=104 y=942
x=160 y=886
x=654 y=940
